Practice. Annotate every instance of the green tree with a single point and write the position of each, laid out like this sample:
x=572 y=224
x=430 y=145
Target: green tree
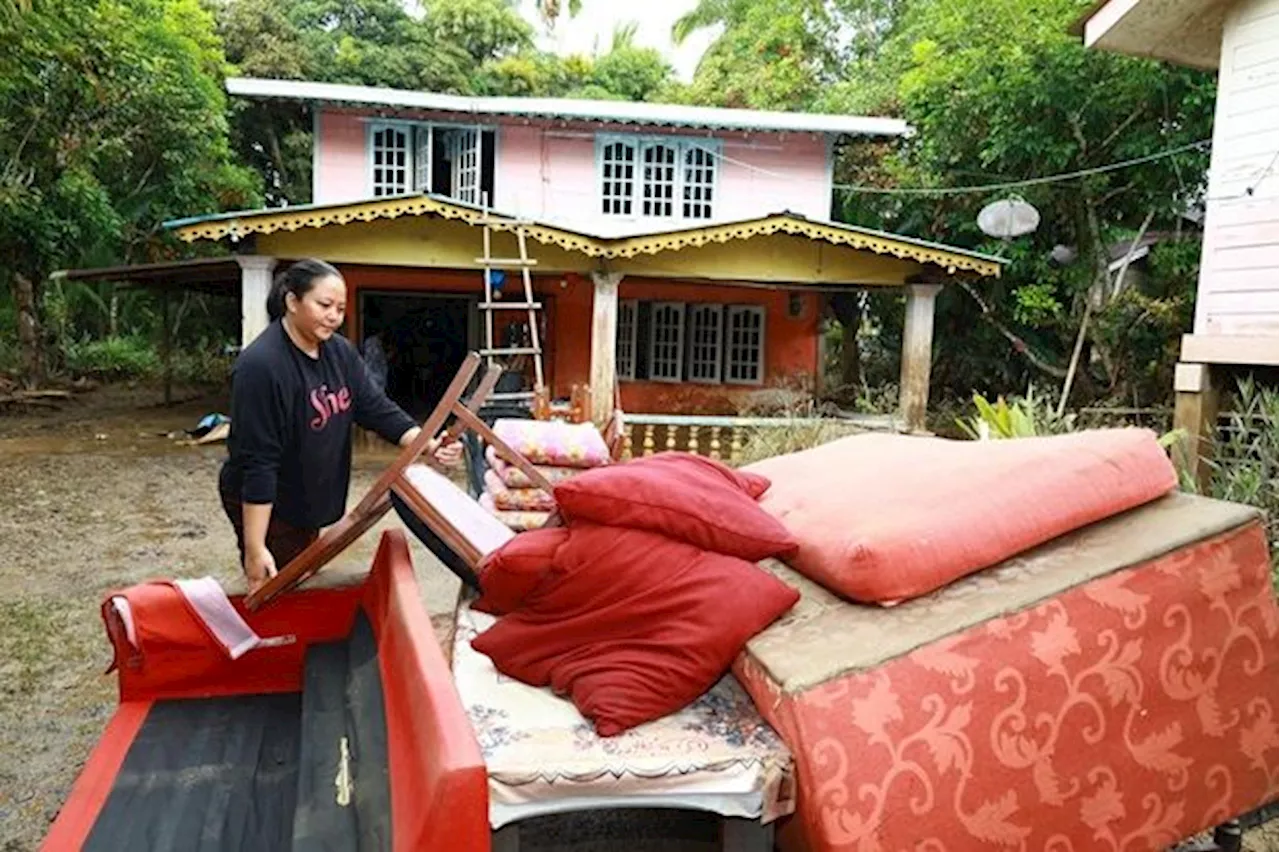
x=359 y=42
x=771 y=54
x=998 y=90
x=112 y=120
x=626 y=72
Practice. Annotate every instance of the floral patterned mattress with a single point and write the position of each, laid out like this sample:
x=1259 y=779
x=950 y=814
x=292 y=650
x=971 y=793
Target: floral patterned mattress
x=542 y=756
x=1113 y=689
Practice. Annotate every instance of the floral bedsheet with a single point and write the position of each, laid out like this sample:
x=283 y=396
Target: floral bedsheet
x=718 y=753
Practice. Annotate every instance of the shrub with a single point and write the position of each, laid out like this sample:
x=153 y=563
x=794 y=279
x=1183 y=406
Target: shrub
x=113 y=358
x=1245 y=460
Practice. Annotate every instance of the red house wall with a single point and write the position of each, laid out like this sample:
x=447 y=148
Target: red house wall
x=791 y=342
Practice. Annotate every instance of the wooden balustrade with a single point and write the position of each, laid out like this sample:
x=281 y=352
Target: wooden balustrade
x=721 y=438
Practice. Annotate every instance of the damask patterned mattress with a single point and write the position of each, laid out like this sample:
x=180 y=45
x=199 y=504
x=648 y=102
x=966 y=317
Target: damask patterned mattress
x=1113 y=689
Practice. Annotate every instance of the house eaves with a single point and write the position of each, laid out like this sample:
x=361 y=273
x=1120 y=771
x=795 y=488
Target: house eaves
x=566 y=109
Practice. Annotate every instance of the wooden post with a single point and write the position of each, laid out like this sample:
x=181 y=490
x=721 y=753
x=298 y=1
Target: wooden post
x=1195 y=411
x=166 y=344
x=917 y=355
x=604 y=342
x=255 y=286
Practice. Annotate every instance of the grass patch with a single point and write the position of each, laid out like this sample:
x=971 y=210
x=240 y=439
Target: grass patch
x=763 y=442
x=31 y=646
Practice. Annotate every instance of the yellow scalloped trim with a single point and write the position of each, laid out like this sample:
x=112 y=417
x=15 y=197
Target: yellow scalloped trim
x=293 y=220
x=950 y=261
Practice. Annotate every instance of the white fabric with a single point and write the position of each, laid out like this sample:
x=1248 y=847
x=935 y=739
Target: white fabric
x=542 y=756
x=213 y=607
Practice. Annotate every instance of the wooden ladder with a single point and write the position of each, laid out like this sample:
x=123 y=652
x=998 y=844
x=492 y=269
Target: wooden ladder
x=491 y=303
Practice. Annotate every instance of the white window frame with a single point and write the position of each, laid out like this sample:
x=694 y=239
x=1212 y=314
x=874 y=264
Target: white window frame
x=705 y=370
x=678 y=311
x=371 y=136
x=624 y=198
x=732 y=312
x=414 y=175
x=638 y=145
x=626 y=350
x=423 y=159
x=664 y=182
x=705 y=192
x=465 y=162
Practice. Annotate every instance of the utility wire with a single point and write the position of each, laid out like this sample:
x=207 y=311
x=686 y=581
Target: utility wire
x=978 y=188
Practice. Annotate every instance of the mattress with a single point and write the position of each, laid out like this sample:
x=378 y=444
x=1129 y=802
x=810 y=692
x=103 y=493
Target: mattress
x=1114 y=688
x=542 y=757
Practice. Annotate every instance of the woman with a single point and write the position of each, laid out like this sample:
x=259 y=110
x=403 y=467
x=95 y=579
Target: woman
x=295 y=392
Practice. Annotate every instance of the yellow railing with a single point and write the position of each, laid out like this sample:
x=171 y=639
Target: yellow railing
x=725 y=438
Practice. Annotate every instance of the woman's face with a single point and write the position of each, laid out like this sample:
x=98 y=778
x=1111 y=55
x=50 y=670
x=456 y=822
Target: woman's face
x=320 y=311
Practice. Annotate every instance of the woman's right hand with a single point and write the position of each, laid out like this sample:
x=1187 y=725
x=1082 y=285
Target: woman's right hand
x=259 y=567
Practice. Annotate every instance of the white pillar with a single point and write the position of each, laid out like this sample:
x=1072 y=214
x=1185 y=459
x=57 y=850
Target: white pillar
x=604 y=343
x=917 y=355
x=255 y=286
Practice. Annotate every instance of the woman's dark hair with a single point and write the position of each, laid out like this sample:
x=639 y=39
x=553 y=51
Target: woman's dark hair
x=298 y=280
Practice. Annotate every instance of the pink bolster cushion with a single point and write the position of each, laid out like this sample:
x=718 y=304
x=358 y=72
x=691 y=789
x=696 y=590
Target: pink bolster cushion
x=882 y=518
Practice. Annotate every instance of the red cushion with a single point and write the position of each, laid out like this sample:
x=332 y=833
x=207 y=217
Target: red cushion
x=683 y=496
x=514 y=570
x=632 y=625
x=889 y=517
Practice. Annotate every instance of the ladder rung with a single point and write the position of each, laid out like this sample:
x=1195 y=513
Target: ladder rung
x=506 y=261
x=510 y=306
x=521 y=350
x=502 y=397
x=494 y=220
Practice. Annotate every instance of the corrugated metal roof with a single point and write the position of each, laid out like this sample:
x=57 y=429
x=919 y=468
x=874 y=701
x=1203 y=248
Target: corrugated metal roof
x=612 y=112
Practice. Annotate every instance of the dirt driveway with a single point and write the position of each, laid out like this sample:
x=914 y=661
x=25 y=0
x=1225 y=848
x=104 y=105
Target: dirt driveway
x=93 y=497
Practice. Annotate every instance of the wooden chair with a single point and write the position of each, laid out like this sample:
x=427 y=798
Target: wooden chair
x=453 y=517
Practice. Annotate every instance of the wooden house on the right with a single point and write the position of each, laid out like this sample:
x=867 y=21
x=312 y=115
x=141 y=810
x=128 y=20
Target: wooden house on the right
x=1238 y=295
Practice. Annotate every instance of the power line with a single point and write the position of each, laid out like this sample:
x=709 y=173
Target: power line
x=979 y=188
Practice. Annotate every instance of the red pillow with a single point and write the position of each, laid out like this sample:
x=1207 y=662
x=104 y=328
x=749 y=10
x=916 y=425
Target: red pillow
x=683 y=496
x=632 y=625
x=511 y=572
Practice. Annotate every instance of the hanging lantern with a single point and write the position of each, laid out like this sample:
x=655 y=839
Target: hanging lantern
x=1008 y=218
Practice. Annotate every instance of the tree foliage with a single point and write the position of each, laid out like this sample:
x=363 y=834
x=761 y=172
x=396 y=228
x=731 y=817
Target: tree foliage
x=112 y=120
x=999 y=91
x=455 y=46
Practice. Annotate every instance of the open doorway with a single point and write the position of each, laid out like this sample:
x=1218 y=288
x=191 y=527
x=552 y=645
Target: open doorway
x=426 y=337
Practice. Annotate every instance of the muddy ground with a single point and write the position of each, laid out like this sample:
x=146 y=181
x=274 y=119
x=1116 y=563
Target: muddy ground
x=95 y=496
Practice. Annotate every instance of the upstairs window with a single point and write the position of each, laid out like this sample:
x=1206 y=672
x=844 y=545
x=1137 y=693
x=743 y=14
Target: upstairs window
x=658 y=185
x=659 y=178
x=391 y=160
x=455 y=162
x=618 y=171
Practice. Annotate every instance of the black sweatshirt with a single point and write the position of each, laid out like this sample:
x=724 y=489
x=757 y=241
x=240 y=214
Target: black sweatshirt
x=291 y=416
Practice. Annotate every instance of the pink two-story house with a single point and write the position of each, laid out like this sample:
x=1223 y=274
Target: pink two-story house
x=679 y=255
